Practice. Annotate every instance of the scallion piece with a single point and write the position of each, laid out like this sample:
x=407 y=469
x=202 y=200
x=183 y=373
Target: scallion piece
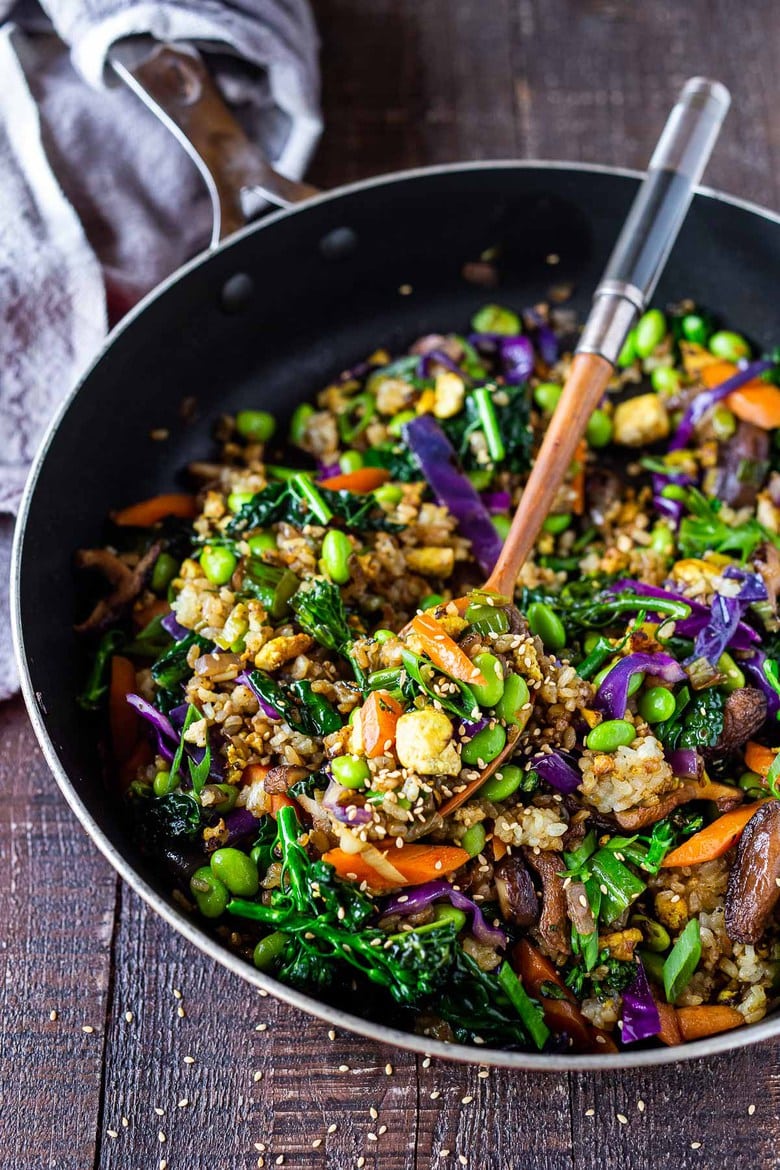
x=618 y=884
x=487 y=417
x=682 y=961
x=305 y=490
x=529 y=1012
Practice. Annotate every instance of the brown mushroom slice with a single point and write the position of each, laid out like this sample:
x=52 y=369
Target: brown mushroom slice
x=517 y=895
x=724 y=795
x=579 y=909
x=753 y=888
x=282 y=777
x=743 y=713
x=127 y=584
x=553 y=929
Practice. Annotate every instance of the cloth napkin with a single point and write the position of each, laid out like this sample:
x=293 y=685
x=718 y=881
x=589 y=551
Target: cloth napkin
x=97 y=200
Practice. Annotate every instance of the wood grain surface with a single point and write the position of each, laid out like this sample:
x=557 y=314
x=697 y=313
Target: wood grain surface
x=222 y=1078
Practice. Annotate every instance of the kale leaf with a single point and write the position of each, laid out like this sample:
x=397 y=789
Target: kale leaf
x=702 y=530
x=696 y=724
x=320 y=611
x=278 y=501
x=160 y=819
x=171 y=669
x=301 y=708
x=513 y=422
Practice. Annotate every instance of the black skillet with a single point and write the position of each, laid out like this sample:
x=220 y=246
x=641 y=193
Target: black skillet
x=263 y=320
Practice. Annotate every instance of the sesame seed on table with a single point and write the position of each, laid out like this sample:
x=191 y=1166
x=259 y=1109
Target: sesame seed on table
x=122 y=1046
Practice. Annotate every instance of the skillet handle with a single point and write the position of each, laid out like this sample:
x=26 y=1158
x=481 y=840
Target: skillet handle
x=174 y=83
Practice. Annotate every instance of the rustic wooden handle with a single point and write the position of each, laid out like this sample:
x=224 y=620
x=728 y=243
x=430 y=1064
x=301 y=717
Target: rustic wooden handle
x=585 y=385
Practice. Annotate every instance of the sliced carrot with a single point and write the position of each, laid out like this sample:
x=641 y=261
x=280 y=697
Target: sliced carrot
x=670 y=1033
x=277 y=800
x=713 y=841
x=759 y=758
x=578 y=480
x=123 y=719
x=148 y=512
x=707 y=1020
x=147 y=613
x=499 y=848
x=756 y=402
x=560 y=1015
x=535 y=969
x=417 y=863
x=365 y=479
x=443 y=652
x=378 y=718
x=253 y=772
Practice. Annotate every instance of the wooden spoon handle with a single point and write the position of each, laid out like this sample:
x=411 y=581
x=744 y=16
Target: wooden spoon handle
x=588 y=377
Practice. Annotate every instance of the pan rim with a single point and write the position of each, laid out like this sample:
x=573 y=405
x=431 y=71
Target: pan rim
x=175 y=918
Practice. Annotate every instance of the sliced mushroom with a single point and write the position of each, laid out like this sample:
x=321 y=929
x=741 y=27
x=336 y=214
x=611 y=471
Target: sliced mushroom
x=753 y=888
x=743 y=714
x=127 y=584
x=517 y=896
x=724 y=796
x=282 y=777
x=748 y=449
x=579 y=908
x=552 y=929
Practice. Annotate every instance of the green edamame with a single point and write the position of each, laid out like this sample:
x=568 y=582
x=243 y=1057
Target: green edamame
x=210 y=893
x=546 y=624
x=657 y=937
x=695 y=328
x=256 y=425
x=236 y=500
x=599 y=429
x=473 y=840
x=493 y=674
x=665 y=380
x=627 y=354
x=484 y=746
x=350 y=461
x=557 y=522
x=336 y=551
x=502 y=783
x=398 y=421
x=513 y=705
x=300 y=421
x=443 y=912
x=547 y=396
x=236 y=871
x=261 y=542
x=381 y=636
x=657 y=704
x=662 y=539
x=350 y=771
x=218 y=564
x=165 y=569
x=728 y=346
x=610 y=735
x=269 y=949
x=650 y=332
x=389 y=494
x=496 y=319
x=164 y=783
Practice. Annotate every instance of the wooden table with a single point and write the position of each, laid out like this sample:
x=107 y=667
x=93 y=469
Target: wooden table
x=122 y=1047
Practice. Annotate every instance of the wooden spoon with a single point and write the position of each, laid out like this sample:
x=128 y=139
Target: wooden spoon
x=637 y=260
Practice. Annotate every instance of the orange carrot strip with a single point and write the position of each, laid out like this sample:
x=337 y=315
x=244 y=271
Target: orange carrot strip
x=756 y=402
x=148 y=512
x=499 y=848
x=365 y=479
x=670 y=1029
x=123 y=719
x=707 y=1020
x=713 y=841
x=417 y=863
x=560 y=1015
x=443 y=652
x=277 y=800
x=759 y=758
x=378 y=718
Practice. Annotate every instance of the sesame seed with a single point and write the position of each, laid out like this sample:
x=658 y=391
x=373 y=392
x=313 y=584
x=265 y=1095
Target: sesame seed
x=427 y=1062
x=640 y=1105
x=466 y=1100
x=189 y=1059
x=316 y=1143
x=372 y=1113
x=463 y=1159
x=603 y=888
x=112 y=1133
x=372 y=1137
x=483 y=1073
x=332 y=1127
x=160 y=1112
x=180 y=1012
x=389 y=1069
x=260 y=1147
x=264 y=1027
x=163 y=1164
x=622 y=1118
x=360 y=1162
x=263 y=992
x=176 y=993
x=435 y=1094
x=437 y=865
x=695 y=1145
x=160 y=1136
x=382 y=1130
x=87 y=1028
x=444 y=1153
x=183 y=1103
x=280 y=1160
x=331 y=1034
x=52 y=1015
x=590 y=1112
x=751 y=1110
x=129 y=1017
x=260 y=1162
x=257 y=1076
x=125 y=1122
x=343 y=1068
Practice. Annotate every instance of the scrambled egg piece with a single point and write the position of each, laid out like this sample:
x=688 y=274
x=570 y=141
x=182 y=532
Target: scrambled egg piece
x=423 y=741
x=280 y=650
x=641 y=420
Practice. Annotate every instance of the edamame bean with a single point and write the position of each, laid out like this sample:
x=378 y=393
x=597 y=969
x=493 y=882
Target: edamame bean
x=662 y=539
x=473 y=840
x=443 y=912
x=256 y=425
x=261 y=542
x=236 y=870
x=557 y=523
x=547 y=395
x=224 y=797
x=502 y=783
x=431 y=601
x=236 y=500
x=728 y=346
x=734 y=678
x=510 y=707
x=350 y=771
x=388 y=495
x=496 y=319
x=480 y=478
x=657 y=704
x=210 y=893
x=269 y=949
x=398 y=421
x=665 y=380
x=502 y=523
x=599 y=429
x=336 y=551
x=546 y=624
x=657 y=937
x=751 y=781
x=610 y=735
x=164 y=783
x=350 y=461
x=300 y=421
x=695 y=328
x=487 y=619
x=218 y=564
x=165 y=569
x=493 y=674
x=650 y=332
x=381 y=636
x=627 y=354
x=484 y=746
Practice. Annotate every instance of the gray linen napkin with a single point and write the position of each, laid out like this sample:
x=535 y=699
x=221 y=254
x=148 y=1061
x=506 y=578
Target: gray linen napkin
x=98 y=202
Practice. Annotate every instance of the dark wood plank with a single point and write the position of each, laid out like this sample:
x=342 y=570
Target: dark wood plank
x=57 y=901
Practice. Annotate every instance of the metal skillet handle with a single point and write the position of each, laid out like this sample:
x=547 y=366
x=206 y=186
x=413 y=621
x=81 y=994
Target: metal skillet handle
x=174 y=83
x=656 y=216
